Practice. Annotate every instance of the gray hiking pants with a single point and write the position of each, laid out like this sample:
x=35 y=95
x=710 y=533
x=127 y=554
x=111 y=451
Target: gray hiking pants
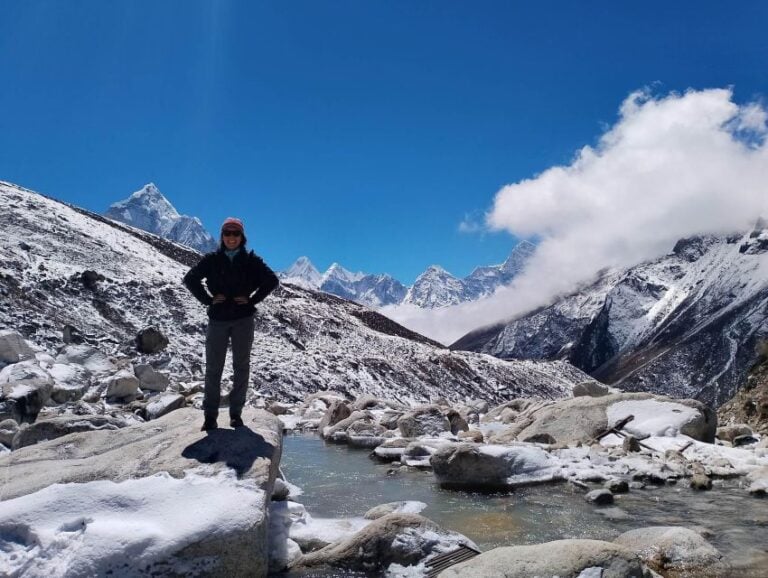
x=240 y=332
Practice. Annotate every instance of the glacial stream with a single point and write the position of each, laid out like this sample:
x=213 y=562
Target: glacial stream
x=341 y=482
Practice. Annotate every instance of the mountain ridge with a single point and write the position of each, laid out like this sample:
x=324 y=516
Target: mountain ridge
x=685 y=324
x=105 y=281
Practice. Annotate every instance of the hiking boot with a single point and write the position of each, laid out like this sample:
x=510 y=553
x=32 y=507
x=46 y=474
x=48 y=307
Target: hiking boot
x=236 y=421
x=209 y=424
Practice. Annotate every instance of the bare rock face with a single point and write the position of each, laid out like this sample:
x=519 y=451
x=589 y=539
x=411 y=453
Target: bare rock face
x=337 y=411
x=164 y=404
x=123 y=386
x=560 y=558
x=427 y=420
x=151 y=340
x=8 y=429
x=674 y=552
x=591 y=389
x=13 y=347
x=56 y=427
x=341 y=426
x=150 y=379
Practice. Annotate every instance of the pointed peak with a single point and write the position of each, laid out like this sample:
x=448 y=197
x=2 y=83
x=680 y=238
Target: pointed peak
x=523 y=247
x=148 y=189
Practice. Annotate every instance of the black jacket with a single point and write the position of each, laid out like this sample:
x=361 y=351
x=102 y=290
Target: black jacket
x=246 y=275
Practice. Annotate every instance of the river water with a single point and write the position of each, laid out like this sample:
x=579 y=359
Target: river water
x=342 y=482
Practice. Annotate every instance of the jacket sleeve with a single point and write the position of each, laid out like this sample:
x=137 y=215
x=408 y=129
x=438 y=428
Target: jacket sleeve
x=266 y=280
x=193 y=281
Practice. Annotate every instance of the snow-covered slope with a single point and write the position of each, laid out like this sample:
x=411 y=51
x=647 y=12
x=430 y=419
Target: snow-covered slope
x=305 y=340
x=436 y=287
x=686 y=324
x=149 y=210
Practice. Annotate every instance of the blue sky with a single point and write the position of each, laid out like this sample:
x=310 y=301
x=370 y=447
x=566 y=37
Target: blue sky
x=354 y=131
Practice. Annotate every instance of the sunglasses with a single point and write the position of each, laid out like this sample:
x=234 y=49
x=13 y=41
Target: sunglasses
x=230 y=233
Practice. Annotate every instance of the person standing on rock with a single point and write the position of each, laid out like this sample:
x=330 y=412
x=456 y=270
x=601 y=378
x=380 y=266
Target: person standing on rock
x=237 y=280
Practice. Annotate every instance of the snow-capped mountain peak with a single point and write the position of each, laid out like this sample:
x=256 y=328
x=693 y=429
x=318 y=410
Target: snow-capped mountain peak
x=148 y=209
x=339 y=273
x=302 y=273
x=436 y=287
x=518 y=258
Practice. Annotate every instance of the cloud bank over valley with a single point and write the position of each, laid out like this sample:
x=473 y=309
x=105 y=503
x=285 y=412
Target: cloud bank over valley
x=671 y=166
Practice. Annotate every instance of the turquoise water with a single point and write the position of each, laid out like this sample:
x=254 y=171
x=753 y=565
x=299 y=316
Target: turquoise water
x=343 y=482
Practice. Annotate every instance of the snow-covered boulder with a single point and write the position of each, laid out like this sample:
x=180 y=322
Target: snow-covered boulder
x=70 y=382
x=23 y=400
x=674 y=552
x=580 y=419
x=22 y=371
x=95 y=361
x=573 y=558
x=150 y=379
x=56 y=427
x=402 y=539
x=427 y=420
x=365 y=433
x=466 y=465
x=391 y=450
x=13 y=347
x=158 y=497
x=758 y=480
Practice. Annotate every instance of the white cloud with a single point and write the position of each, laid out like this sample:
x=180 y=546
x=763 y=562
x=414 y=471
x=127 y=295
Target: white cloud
x=471 y=223
x=669 y=168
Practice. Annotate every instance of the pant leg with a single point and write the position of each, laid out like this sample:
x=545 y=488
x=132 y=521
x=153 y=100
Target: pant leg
x=216 y=342
x=242 y=342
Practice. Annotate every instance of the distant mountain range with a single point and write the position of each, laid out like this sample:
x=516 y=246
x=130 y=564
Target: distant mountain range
x=149 y=210
x=434 y=288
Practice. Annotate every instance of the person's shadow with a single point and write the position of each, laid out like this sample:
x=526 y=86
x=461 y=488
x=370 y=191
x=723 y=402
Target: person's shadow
x=238 y=448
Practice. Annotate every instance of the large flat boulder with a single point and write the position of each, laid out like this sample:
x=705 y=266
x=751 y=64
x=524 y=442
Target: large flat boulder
x=675 y=552
x=580 y=419
x=562 y=558
x=59 y=426
x=480 y=467
x=159 y=497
